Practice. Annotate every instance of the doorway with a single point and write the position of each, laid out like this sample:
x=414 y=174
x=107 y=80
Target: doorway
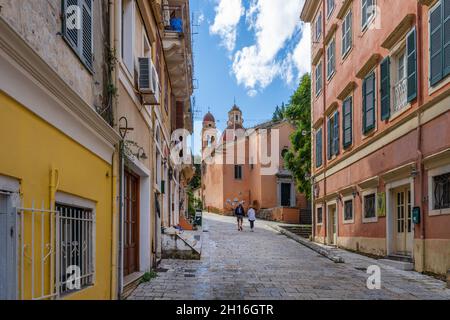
x=131 y=224
x=285 y=194
x=403 y=233
x=7 y=248
x=332 y=225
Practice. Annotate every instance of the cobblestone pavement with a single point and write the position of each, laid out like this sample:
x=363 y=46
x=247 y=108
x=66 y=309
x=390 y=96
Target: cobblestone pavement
x=267 y=265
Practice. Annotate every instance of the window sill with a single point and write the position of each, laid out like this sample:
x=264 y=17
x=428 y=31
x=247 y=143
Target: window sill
x=442 y=212
x=369 y=134
x=439 y=85
x=346 y=54
x=349 y=221
x=399 y=113
x=370 y=220
x=331 y=76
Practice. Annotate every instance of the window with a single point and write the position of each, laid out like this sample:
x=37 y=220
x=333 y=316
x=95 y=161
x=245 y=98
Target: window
x=333 y=135
x=439 y=22
x=348 y=210
x=330 y=7
x=128 y=34
x=347 y=122
x=77 y=29
x=318 y=78
x=319 y=146
x=441 y=192
x=368 y=98
x=347 y=33
x=318 y=26
x=238 y=172
x=369 y=206
x=319 y=215
x=331 y=58
x=76 y=237
x=368 y=11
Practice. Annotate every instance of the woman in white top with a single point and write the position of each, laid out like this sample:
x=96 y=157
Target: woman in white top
x=251 y=214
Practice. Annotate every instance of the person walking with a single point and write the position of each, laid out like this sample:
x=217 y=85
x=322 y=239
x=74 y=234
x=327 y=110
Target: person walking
x=240 y=213
x=251 y=215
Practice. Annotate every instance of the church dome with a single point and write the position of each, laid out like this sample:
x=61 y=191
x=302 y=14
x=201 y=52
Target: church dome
x=209 y=118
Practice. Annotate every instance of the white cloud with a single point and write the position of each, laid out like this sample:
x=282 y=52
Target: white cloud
x=228 y=15
x=256 y=66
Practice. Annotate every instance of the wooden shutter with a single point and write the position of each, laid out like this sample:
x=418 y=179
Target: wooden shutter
x=446 y=36
x=87 y=54
x=336 y=133
x=329 y=140
x=319 y=148
x=347 y=130
x=385 y=90
x=436 y=41
x=364 y=106
x=369 y=102
x=70 y=34
x=411 y=52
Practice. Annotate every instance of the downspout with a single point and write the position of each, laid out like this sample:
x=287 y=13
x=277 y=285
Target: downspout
x=419 y=126
x=114 y=32
x=325 y=128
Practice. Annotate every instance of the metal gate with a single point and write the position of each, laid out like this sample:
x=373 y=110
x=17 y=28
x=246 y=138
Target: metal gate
x=38 y=252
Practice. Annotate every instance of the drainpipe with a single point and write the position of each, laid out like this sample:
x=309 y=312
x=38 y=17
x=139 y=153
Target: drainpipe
x=419 y=127
x=325 y=128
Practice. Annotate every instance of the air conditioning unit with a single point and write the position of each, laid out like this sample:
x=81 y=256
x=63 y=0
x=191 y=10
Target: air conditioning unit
x=149 y=82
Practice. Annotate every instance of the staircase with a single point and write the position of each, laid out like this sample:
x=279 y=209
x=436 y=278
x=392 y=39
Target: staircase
x=302 y=231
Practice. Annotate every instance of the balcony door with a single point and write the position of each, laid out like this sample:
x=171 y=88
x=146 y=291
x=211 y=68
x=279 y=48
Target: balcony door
x=131 y=224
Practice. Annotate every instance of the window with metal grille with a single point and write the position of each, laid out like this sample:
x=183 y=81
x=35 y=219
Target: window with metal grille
x=78 y=29
x=319 y=215
x=369 y=206
x=441 y=192
x=348 y=210
x=76 y=241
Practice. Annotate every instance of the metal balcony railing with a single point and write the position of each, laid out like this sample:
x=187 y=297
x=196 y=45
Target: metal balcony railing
x=175 y=18
x=400 y=94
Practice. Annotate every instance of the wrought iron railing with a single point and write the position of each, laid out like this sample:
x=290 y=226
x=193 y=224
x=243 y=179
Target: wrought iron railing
x=400 y=95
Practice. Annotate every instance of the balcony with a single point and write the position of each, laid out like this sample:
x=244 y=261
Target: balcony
x=400 y=95
x=177 y=46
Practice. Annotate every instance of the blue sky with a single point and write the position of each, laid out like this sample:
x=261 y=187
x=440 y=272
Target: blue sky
x=248 y=50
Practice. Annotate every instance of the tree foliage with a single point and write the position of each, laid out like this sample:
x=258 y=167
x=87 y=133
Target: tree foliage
x=298 y=159
x=280 y=113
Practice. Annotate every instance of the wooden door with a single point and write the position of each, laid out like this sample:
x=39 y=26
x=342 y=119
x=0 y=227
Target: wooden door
x=403 y=221
x=285 y=194
x=332 y=227
x=131 y=224
x=7 y=249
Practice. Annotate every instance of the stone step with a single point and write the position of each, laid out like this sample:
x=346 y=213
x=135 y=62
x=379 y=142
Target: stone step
x=400 y=265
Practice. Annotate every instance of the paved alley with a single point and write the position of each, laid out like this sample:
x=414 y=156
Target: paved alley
x=268 y=265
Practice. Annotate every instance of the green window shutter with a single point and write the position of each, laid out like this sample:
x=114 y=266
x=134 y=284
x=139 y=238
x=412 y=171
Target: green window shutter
x=329 y=139
x=336 y=133
x=385 y=90
x=446 y=36
x=87 y=54
x=347 y=130
x=369 y=103
x=364 y=105
x=411 y=52
x=319 y=148
x=436 y=45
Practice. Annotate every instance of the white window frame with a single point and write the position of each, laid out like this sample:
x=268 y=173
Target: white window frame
x=128 y=61
x=365 y=25
x=347 y=33
x=319 y=67
x=317 y=34
x=431 y=174
x=319 y=206
x=330 y=12
x=363 y=195
x=344 y=200
x=331 y=74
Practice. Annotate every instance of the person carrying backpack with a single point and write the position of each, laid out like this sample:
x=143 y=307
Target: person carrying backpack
x=240 y=213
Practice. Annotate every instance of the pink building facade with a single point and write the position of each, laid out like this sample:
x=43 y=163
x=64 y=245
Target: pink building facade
x=232 y=170
x=381 y=128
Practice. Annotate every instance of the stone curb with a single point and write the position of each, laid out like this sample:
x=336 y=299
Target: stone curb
x=311 y=245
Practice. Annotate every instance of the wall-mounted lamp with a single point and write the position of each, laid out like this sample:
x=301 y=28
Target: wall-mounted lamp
x=414 y=172
x=355 y=193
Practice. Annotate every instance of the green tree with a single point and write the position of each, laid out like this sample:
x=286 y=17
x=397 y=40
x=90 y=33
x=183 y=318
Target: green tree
x=279 y=113
x=298 y=158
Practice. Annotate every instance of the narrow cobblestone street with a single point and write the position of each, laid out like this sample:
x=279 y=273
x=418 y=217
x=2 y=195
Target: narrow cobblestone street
x=268 y=265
